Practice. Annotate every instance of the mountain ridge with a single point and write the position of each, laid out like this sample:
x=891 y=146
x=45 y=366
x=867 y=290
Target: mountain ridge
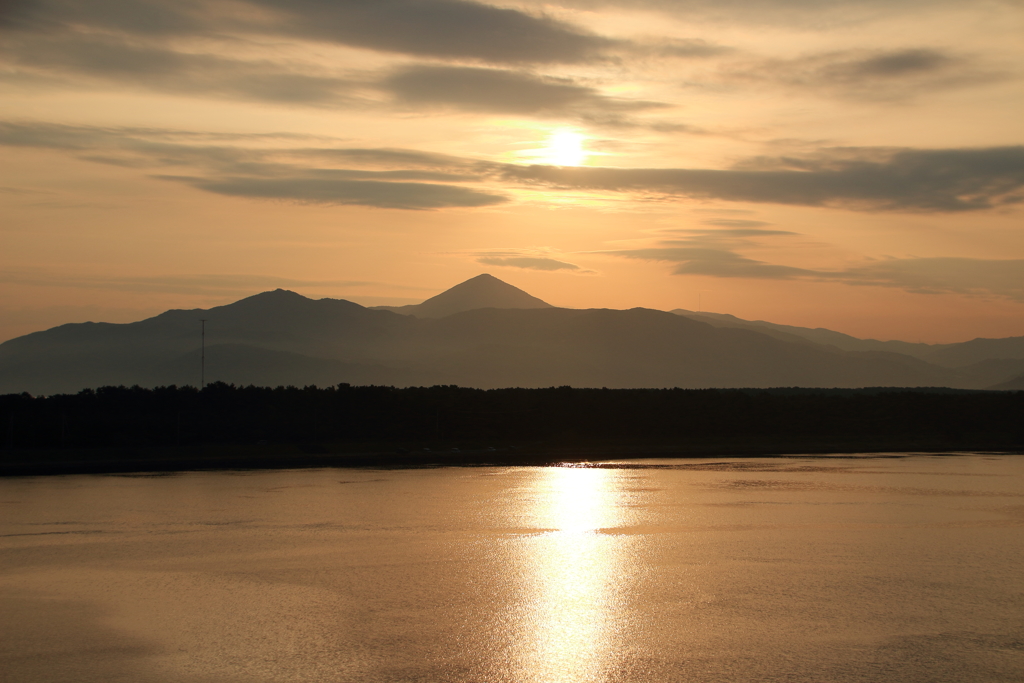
x=817 y=335
x=284 y=337
x=955 y=355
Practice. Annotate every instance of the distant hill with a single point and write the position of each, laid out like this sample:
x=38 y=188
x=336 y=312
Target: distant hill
x=510 y=339
x=642 y=348
x=1015 y=384
x=980 y=362
x=482 y=291
x=817 y=335
x=976 y=351
x=281 y=337
x=273 y=330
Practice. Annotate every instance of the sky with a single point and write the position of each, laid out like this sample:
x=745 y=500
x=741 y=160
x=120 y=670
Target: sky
x=850 y=164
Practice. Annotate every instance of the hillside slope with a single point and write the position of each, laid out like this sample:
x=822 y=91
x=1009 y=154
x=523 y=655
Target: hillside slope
x=283 y=338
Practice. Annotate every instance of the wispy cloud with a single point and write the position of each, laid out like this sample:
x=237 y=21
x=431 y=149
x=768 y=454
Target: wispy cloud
x=437 y=28
x=812 y=15
x=684 y=48
x=499 y=90
x=897 y=74
x=862 y=179
x=72 y=59
x=452 y=29
x=223 y=284
x=735 y=223
x=538 y=258
x=78 y=60
x=201 y=48
x=939 y=275
x=866 y=179
x=260 y=172
x=385 y=195
x=721 y=255
x=527 y=262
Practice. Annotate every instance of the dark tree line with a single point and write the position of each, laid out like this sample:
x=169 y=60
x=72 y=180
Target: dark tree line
x=116 y=417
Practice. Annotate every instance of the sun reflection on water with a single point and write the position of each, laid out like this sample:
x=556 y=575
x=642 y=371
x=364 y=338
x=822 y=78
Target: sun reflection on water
x=572 y=569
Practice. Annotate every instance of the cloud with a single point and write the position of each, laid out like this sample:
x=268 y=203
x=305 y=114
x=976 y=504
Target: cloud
x=715 y=262
x=439 y=28
x=231 y=152
x=145 y=17
x=939 y=275
x=867 y=179
x=411 y=174
x=714 y=252
x=300 y=175
x=223 y=284
x=537 y=258
x=528 y=262
x=146 y=43
x=863 y=179
x=1002 y=278
x=717 y=236
x=134 y=147
x=813 y=15
x=497 y=90
x=686 y=48
x=735 y=223
x=155 y=67
x=195 y=48
x=24 y=191
x=866 y=74
x=385 y=195
x=68 y=57
x=452 y=29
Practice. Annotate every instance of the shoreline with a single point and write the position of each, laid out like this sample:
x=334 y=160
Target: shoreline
x=211 y=457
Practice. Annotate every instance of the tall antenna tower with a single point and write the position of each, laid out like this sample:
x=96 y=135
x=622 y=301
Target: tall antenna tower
x=202 y=357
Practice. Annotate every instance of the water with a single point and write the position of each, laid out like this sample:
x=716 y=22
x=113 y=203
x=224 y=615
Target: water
x=788 y=569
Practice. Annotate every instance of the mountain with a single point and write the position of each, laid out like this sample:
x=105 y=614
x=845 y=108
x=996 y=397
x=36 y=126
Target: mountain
x=639 y=348
x=482 y=291
x=817 y=335
x=155 y=351
x=980 y=362
x=281 y=337
x=976 y=351
x=1015 y=384
x=509 y=339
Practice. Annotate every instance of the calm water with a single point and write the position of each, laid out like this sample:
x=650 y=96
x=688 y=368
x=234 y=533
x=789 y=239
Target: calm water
x=864 y=569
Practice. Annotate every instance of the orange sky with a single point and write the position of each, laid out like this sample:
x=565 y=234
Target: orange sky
x=856 y=166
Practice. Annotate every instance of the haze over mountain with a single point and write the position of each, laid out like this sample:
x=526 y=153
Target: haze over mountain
x=1015 y=384
x=481 y=333
x=818 y=335
x=982 y=362
x=946 y=355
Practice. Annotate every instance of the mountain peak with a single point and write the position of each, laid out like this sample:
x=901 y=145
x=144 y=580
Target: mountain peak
x=482 y=277
x=274 y=294
x=482 y=291
x=272 y=298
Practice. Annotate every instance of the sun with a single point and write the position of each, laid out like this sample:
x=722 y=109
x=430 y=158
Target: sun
x=564 y=148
